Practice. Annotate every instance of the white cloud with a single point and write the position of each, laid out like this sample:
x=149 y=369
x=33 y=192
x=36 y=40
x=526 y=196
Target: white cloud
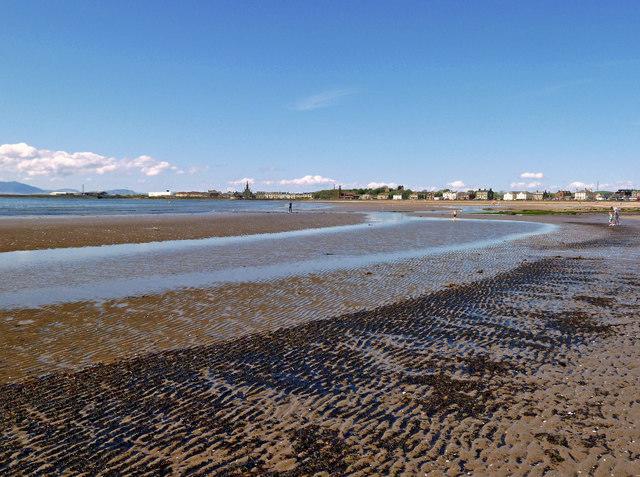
x=320 y=100
x=378 y=185
x=532 y=175
x=243 y=181
x=526 y=185
x=581 y=185
x=146 y=164
x=578 y=185
x=307 y=180
x=25 y=159
x=456 y=185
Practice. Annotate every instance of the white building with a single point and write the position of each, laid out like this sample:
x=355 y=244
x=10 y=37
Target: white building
x=524 y=196
x=165 y=193
x=509 y=196
x=584 y=195
x=449 y=195
x=397 y=196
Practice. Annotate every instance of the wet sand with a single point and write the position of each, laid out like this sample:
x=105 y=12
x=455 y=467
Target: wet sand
x=31 y=233
x=521 y=359
x=424 y=205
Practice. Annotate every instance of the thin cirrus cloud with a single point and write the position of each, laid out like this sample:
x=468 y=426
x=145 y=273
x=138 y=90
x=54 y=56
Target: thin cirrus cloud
x=321 y=100
x=22 y=158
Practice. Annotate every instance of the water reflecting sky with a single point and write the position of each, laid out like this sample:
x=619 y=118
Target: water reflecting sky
x=57 y=275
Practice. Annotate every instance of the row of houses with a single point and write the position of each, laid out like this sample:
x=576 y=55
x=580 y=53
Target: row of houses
x=582 y=195
x=481 y=194
x=489 y=194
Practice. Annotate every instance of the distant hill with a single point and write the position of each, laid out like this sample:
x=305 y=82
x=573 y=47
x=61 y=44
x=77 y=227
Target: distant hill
x=19 y=188
x=14 y=187
x=122 y=192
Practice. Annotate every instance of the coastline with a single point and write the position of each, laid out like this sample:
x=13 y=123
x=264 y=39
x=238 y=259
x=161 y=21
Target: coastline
x=42 y=232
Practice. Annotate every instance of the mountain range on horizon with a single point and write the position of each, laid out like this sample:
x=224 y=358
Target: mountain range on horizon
x=19 y=188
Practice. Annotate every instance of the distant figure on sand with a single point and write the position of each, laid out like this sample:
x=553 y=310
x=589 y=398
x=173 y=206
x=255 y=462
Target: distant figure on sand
x=290 y=207
x=611 y=218
x=455 y=214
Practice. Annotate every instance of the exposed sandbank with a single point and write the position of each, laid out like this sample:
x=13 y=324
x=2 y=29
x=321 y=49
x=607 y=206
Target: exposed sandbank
x=32 y=233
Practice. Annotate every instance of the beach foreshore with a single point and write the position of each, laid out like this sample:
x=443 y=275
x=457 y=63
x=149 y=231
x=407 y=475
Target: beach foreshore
x=31 y=233
x=519 y=358
x=555 y=206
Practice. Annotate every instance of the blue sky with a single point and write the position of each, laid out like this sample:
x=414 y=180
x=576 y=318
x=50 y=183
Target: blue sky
x=301 y=95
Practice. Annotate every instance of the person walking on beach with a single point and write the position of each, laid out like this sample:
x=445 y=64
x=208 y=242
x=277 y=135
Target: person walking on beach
x=616 y=215
x=455 y=214
x=290 y=207
x=611 y=218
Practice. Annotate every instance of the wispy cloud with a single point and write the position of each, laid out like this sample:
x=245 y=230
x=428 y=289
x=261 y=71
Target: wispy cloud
x=321 y=100
x=526 y=185
x=624 y=62
x=308 y=180
x=624 y=184
x=554 y=88
x=22 y=158
x=378 y=185
x=243 y=181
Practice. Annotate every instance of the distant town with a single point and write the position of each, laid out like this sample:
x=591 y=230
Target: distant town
x=338 y=193
x=402 y=193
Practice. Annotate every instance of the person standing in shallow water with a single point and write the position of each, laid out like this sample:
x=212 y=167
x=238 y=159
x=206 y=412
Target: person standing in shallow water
x=455 y=214
x=616 y=216
x=611 y=218
x=290 y=207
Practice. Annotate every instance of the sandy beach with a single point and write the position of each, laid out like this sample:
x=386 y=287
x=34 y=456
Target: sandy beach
x=31 y=233
x=518 y=358
x=553 y=206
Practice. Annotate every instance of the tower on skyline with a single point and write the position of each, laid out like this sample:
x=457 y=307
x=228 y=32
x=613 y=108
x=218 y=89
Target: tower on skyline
x=247 y=194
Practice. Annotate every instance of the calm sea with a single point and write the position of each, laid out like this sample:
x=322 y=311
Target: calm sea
x=38 y=206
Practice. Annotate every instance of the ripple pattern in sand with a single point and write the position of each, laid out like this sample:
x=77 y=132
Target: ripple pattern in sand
x=448 y=382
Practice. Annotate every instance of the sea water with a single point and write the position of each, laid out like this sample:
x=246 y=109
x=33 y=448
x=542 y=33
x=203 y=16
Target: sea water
x=41 y=277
